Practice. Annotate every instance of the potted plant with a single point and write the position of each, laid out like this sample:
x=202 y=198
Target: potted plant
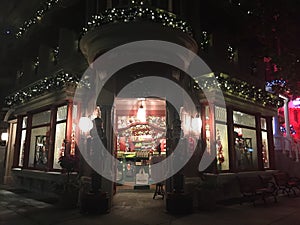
x=177 y=201
x=70 y=186
x=207 y=192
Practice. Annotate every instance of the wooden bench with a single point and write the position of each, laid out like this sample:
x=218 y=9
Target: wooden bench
x=285 y=183
x=254 y=188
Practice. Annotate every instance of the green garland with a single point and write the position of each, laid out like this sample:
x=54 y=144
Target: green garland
x=242 y=89
x=227 y=84
x=37 y=17
x=48 y=84
x=137 y=13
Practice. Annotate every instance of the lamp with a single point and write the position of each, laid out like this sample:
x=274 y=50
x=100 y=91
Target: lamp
x=85 y=124
x=141 y=113
x=4 y=136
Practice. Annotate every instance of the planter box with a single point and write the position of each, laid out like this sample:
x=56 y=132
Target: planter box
x=179 y=203
x=94 y=202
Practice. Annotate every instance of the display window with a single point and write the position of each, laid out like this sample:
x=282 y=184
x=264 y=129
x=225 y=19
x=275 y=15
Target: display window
x=221 y=138
x=245 y=142
x=222 y=147
x=39 y=150
x=265 y=146
x=245 y=148
x=23 y=136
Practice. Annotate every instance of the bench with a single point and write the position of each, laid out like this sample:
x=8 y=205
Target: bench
x=254 y=188
x=285 y=183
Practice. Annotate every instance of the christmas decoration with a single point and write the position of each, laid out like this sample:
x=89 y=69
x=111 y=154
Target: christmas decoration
x=241 y=89
x=220 y=156
x=40 y=87
x=205 y=40
x=292 y=129
x=277 y=86
x=37 y=17
x=137 y=13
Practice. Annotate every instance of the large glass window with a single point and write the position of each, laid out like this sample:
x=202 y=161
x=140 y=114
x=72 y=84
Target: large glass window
x=245 y=148
x=41 y=118
x=39 y=149
x=23 y=137
x=60 y=134
x=58 y=147
x=265 y=146
x=222 y=147
x=245 y=141
x=221 y=138
x=243 y=119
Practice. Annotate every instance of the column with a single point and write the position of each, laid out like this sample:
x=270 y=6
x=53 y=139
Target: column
x=287 y=144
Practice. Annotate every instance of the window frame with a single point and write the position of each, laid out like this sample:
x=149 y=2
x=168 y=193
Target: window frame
x=52 y=128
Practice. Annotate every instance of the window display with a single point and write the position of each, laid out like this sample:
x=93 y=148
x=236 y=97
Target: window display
x=222 y=147
x=245 y=148
x=39 y=147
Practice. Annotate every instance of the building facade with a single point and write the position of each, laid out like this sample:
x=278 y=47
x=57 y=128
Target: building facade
x=43 y=114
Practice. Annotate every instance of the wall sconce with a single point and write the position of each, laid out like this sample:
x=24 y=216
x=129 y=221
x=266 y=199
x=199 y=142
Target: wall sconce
x=4 y=138
x=85 y=124
x=141 y=113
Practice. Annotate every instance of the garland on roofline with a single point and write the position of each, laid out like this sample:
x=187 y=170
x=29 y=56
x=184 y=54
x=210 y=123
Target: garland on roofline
x=242 y=89
x=48 y=84
x=137 y=13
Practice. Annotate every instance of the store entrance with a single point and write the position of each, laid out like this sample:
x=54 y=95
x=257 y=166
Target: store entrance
x=140 y=127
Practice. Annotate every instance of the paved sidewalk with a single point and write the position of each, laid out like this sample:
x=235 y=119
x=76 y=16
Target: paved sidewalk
x=140 y=209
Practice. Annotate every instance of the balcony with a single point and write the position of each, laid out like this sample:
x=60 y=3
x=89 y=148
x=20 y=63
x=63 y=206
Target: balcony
x=119 y=26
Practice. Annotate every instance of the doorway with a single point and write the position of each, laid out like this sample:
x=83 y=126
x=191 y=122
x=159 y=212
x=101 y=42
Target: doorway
x=140 y=130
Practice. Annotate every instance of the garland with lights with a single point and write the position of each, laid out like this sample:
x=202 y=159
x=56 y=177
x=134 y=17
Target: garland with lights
x=227 y=84
x=48 y=84
x=37 y=17
x=249 y=92
x=277 y=86
x=205 y=40
x=137 y=13
x=242 y=89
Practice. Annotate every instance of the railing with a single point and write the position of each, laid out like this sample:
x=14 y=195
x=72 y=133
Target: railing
x=288 y=146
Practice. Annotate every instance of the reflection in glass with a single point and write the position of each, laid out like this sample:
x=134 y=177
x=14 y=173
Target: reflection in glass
x=61 y=113
x=39 y=147
x=41 y=118
x=243 y=119
x=22 y=148
x=245 y=148
x=265 y=149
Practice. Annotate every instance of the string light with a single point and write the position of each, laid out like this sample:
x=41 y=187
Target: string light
x=37 y=17
x=137 y=13
x=242 y=89
x=48 y=84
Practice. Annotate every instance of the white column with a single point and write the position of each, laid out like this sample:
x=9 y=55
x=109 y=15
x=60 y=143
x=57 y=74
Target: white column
x=288 y=140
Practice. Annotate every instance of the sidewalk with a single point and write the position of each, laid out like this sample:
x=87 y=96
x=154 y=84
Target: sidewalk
x=140 y=209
